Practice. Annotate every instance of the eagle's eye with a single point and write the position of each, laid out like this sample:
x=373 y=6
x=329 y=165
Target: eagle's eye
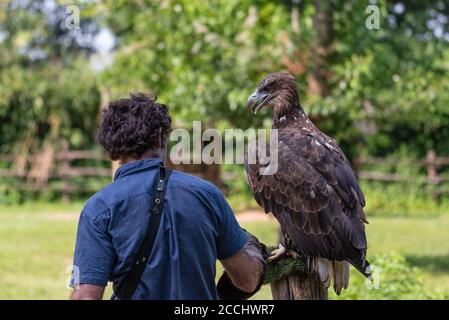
x=267 y=87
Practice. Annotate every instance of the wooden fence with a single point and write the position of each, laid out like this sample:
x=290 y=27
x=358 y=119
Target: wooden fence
x=29 y=175
x=432 y=165
x=33 y=174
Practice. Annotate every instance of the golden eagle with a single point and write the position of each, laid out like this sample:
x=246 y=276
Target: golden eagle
x=314 y=194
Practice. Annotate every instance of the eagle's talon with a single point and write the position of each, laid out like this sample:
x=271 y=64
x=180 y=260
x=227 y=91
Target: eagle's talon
x=278 y=253
x=293 y=254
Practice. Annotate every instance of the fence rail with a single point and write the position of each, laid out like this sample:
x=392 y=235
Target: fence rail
x=32 y=175
x=432 y=163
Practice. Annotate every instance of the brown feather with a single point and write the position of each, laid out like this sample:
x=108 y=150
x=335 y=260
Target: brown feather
x=314 y=195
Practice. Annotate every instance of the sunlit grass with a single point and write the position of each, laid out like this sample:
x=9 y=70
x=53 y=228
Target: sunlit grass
x=37 y=241
x=423 y=242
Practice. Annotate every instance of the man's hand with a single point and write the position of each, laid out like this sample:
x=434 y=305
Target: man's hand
x=244 y=271
x=88 y=292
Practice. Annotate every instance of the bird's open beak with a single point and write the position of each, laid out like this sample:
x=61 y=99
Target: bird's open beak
x=256 y=101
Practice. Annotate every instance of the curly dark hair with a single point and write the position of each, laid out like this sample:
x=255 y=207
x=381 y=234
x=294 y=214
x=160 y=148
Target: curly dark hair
x=132 y=126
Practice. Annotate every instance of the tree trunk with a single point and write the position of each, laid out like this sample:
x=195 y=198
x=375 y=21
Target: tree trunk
x=299 y=286
x=321 y=49
x=105 y=97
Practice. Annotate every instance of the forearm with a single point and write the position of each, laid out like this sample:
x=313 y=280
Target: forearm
x=244 y=271
x=87 y=292
x=252 y=261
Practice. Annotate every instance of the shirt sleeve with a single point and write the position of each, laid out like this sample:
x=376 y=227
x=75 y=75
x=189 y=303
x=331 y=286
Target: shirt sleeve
x=231 y=237
x=94 y=253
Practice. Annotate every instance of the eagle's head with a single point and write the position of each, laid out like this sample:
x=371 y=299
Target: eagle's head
x=278 y=91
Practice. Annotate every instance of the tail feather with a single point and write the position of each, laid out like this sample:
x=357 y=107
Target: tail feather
x=338 y=272
x=325 y=271
x=364 y=268
x=341 y=275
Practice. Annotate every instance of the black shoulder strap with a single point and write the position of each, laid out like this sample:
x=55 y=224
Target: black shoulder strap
x=125 y=289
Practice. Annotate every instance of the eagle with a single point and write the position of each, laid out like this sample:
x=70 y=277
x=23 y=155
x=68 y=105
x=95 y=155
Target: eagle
x=314 y=194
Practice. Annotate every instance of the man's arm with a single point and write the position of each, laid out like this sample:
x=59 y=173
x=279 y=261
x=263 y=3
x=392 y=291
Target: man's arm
x=88 y=292
x=244 y=271
x=241 y=254
x=94 y=256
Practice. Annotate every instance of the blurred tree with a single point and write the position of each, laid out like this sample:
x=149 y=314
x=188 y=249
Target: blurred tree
x=372 y=87
x=376 y=91
x=199 y=57
x=46 y=91
x=391 y=83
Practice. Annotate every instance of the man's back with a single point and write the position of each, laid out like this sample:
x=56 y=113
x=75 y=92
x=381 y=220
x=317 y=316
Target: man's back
x=197 y=228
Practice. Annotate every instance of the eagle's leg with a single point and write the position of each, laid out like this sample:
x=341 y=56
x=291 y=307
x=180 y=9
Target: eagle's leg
x=285 y=248
x=277 y=253
x=290 y=247
x=312 y=264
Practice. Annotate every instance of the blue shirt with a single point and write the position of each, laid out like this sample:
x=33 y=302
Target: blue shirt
x=197 y=228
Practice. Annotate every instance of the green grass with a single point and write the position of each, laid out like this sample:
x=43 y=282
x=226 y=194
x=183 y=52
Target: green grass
x=37 y=241
x=35 y=249
x=423 y=242
x=402 y=200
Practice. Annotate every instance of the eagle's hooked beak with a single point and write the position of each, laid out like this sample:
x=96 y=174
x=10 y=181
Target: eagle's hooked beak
x=256 y=101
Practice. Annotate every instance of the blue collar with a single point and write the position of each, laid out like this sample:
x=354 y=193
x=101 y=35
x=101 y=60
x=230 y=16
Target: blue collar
x=136 y=166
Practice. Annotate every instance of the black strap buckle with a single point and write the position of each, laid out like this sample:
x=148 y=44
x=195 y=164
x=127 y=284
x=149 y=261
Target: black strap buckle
x=161 y=182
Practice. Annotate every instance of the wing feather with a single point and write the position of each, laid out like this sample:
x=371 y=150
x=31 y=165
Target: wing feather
x=315 y=197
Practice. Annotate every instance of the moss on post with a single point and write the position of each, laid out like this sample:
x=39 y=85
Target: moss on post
x=276 y=270
x=289 y=279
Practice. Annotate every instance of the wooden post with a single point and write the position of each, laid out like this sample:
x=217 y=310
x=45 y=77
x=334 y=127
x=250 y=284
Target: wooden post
x=290 y=279
x=64 y=167
x=104 y=101
x=299 y=286
x=432 y=173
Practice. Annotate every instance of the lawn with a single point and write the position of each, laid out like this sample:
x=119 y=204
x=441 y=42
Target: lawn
x=424 y=242
x=36 y=246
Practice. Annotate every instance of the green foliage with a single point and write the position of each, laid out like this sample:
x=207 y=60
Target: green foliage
x=409 y=250
x=202 y=58
x=387 y=87
x=236 y=189
x=402 y=199
x=392 y=85
x=46 y=91
x=53 y=106
x=394 y=279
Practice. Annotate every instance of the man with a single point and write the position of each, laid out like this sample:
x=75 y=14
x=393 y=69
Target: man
x=197 y=225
